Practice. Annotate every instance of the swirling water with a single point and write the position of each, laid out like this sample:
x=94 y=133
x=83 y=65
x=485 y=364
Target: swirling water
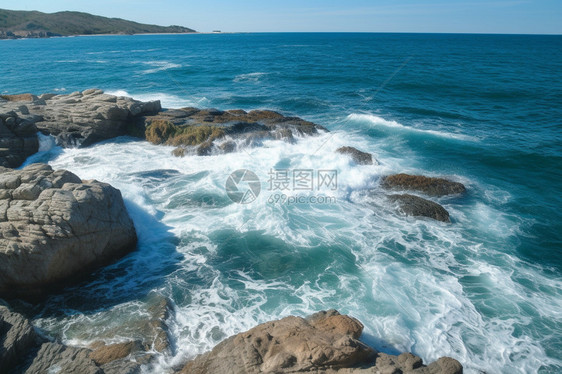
x=482 y=109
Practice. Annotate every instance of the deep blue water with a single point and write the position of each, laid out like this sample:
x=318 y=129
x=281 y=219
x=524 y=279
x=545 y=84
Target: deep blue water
x=482 y=109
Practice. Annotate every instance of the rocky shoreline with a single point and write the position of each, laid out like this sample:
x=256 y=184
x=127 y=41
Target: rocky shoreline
x=325 y=342
x=55 y=227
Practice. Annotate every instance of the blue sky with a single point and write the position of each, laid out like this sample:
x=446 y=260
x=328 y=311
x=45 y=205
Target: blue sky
x=477 y=16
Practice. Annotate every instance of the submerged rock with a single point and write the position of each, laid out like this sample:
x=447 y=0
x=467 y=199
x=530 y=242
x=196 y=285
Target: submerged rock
x=325 y=342
x=53 y=227
x=427 y=185
x=419 y=207
x=359 y=157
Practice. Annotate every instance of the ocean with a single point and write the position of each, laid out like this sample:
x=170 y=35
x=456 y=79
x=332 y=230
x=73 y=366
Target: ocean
x=485 y=110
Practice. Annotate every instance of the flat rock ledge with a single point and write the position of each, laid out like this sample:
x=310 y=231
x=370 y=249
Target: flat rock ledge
x=325 y=342
x=427 y=185
x=79 y=119
x=54 y=226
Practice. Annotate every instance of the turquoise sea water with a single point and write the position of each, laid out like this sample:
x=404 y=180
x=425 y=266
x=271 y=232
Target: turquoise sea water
x=485 y=110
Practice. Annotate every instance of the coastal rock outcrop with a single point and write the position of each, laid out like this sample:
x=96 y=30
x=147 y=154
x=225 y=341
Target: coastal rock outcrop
x=83 y=118
x=54 y=226
x=325 y=342
x=427 y=185
x=17 y=338
x=416 y=206
x=359 y=157
x=59 y=358
x=200 y=131
x=18 y=136
x=23 y=351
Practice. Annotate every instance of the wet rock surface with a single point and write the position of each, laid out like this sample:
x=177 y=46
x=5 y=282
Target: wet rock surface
x=23 y=351
x=204 y=131
x=427 y=185
x=81 y=119
x=416 y=206
x=359 y=157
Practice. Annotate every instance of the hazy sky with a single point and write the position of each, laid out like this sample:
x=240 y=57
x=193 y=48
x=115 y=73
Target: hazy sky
x=479 y=16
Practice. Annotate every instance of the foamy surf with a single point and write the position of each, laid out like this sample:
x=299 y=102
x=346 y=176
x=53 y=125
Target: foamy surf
x=239 y=265
x=376 y=121
x=159 y=66
x=250 y=77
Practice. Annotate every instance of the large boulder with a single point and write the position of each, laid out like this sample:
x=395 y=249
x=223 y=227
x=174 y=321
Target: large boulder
x=53 y=226
x=288 y=345
x=18 y=137
x=326 y=342
x=426 y=185
x=419 y=207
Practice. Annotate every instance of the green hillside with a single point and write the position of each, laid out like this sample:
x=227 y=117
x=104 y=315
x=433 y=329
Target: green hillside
x=21 y=24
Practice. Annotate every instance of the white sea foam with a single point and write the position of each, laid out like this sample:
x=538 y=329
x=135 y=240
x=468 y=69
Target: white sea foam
x=46 y=142
x=250 y=77
x=146 y=50
x=159 y=66
x=373 y=120
x=416 y=284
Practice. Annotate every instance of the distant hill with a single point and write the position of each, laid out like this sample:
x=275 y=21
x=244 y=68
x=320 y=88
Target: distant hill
x=22 y=24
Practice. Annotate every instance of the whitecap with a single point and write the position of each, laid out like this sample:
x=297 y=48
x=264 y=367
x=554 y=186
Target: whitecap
x=250 y=77
x=374 y=121
x=160 y=66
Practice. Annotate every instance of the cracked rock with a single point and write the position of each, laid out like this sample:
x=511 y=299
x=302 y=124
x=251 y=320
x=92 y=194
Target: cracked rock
x=54 y=226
